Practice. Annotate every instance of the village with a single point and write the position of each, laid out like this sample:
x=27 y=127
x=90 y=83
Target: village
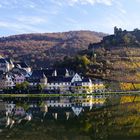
x=50 y=80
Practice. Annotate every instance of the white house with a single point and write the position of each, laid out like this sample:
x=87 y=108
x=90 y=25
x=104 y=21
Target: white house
x=9 y=83
x=19 y=78
x=81 y=85
x=59 y=83
x=76 y=78
x=6 y=64
x=6 y=81
x=37 y=78
x=9 y=107
x=19 y=111
x=24 y=66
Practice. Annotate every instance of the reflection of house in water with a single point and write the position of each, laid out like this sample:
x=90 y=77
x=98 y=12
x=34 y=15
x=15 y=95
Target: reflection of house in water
x=77 y=110
x=59 y=102
x=4 y=120
x=89 y=101
x=61 y=108
x=10 y=108
x=2 y=107
x=19 y=111
x=67 y=106
x=35 y=111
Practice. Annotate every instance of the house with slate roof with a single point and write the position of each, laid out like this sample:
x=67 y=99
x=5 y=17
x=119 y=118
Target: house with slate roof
x=52 y=79
x=37 y=78
x=83 y=85
x=6 y=81
x=6 y=64
x=24 y=66
x=12 y=73
x=59 y=83
x=66 y=106
x=62 y=81
x=98 y=86
x=59 y=72
x=19 y=78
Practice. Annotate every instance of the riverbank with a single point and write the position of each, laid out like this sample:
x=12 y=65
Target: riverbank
x=42 y=95
x=39 y=95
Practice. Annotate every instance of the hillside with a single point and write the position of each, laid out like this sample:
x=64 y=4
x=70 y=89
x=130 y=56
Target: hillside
x=121 y=52
x=43 y=49
x=115 y=58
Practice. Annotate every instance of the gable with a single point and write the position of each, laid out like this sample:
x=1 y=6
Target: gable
x=76 y=78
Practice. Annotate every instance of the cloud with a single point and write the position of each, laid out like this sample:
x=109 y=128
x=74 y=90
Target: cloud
x=32 y=20
x=120 y=7
x=19 y=27
x=82 y=2
x=71 y=20
x=121 y=22
x=17 y=3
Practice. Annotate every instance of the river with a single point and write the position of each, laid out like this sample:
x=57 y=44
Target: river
x=70 y=118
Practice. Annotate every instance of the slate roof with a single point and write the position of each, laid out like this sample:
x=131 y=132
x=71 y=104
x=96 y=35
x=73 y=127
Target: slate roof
x=2 y=60
x=1 y=72
x=86 y=80
x=48 y=72
x=41 y=73
x=36 y=76
x=59 y=79
x=22 y=64
x=60 y=71
x=9 y=60
x=19 y=71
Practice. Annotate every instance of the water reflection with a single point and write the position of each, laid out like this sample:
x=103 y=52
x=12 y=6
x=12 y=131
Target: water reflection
x=14 y=110
x=77 y=118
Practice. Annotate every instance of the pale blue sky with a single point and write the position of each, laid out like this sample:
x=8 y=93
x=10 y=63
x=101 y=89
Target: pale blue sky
x=39 y=16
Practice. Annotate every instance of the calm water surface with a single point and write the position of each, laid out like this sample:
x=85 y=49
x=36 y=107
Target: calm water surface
x=70 y=118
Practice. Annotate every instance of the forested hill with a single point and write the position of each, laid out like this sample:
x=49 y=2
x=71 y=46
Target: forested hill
x=121 y=53
x=115 y=58
x=43 y=49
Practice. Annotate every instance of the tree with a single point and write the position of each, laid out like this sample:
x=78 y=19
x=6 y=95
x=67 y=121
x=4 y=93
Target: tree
x=22 y=86
x=85 y=61
x=25 y=85
x=39 y=87
x=126 y=39
x=129 y=38
x=115 y=30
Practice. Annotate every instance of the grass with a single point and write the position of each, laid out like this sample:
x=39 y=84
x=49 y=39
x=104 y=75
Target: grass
x=39 y=95
x=42 y=95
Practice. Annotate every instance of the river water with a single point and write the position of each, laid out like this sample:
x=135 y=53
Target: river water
x=70 y=118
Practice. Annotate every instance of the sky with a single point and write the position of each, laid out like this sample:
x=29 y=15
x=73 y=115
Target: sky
x=40 y=16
